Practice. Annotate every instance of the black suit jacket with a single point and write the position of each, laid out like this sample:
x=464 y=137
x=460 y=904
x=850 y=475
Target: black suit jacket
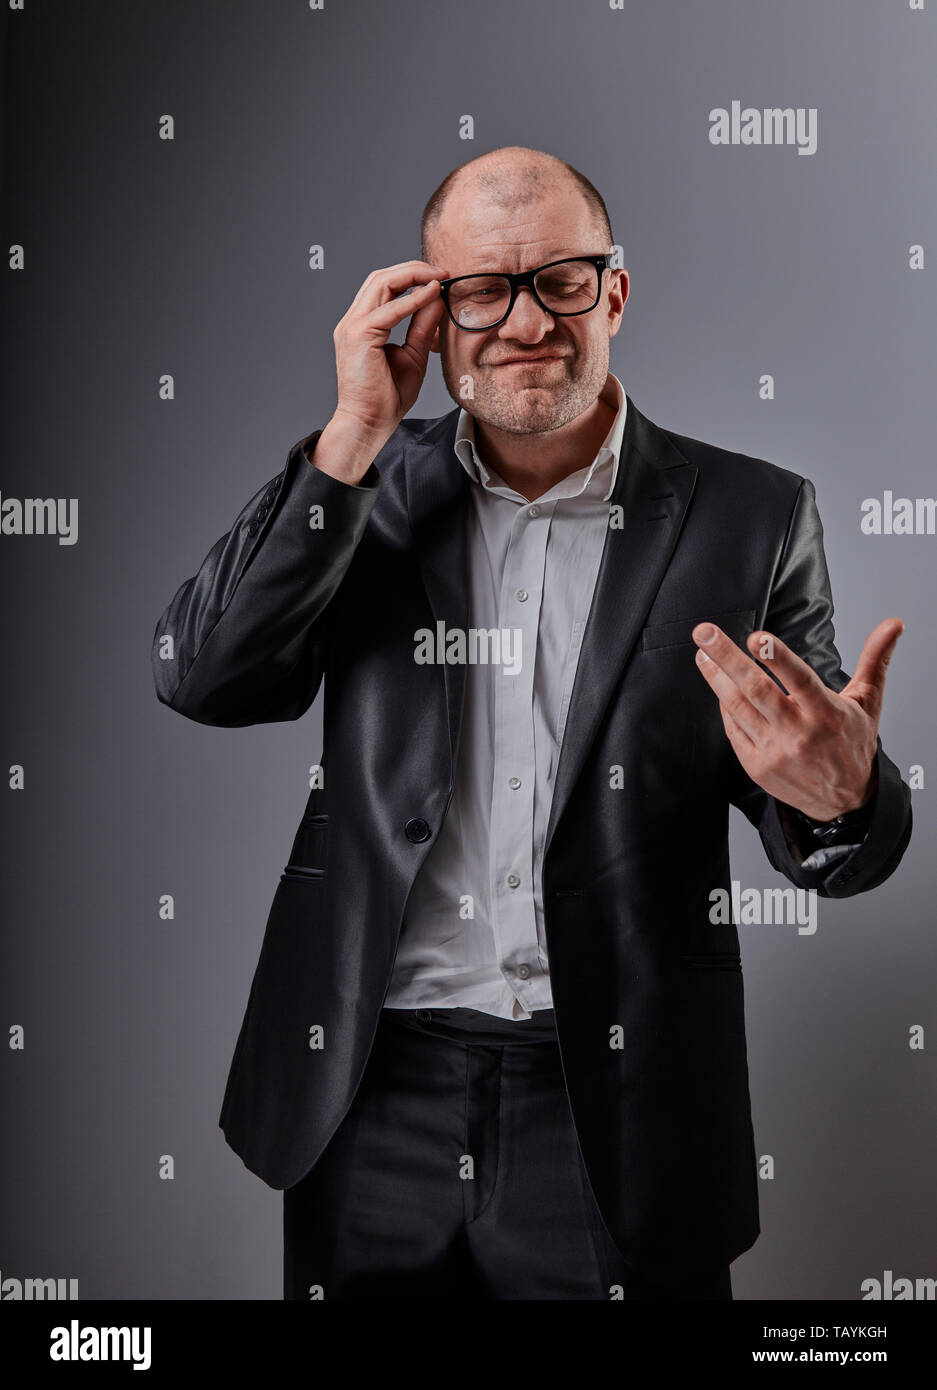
x=663 y=1117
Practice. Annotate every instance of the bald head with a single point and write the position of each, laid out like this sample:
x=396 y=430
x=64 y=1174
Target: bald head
x=509 y=180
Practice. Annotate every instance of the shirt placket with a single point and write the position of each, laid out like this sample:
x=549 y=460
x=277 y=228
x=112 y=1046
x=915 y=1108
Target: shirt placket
x=512 y=808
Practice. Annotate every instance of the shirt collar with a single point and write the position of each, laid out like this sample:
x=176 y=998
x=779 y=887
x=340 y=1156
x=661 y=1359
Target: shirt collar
x=603 y=468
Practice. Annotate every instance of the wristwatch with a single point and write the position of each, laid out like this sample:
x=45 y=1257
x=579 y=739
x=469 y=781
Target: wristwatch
x=839 y=830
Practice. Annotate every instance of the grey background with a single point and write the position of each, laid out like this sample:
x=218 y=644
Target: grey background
x=143 y=257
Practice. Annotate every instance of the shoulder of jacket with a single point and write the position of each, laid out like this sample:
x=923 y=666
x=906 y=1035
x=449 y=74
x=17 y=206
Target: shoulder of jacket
x=744 y=474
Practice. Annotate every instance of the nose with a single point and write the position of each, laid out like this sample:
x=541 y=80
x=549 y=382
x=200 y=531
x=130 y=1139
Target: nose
x=527 y=322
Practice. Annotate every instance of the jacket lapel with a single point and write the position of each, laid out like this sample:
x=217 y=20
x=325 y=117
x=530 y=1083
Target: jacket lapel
x=653 y=488
x=437 y=501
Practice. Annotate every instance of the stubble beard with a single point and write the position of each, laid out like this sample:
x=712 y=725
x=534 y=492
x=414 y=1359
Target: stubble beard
x=524 y=409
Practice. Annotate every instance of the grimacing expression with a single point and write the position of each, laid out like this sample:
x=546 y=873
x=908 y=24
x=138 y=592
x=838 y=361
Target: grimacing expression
x=536 y=371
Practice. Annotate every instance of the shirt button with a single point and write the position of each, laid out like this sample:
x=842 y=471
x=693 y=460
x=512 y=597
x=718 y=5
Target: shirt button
x=523 y=971
x=513 y=880
x=521 y=595
x=514 y=783
x=417 y=830
x=533 y=511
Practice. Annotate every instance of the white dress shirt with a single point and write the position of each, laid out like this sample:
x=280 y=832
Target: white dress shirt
x=472 y=933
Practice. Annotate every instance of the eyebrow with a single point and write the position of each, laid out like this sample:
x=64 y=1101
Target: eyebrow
x=561 y=255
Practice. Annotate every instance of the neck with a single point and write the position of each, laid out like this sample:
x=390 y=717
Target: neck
x=533 y=463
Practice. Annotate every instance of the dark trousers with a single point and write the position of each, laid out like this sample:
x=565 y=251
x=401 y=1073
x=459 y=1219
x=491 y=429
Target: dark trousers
x=456 y=1174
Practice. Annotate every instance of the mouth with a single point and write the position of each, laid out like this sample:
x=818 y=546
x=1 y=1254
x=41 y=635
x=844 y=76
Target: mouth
x=530 y=361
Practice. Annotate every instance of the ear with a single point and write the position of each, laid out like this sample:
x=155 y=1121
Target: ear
x=434 y=345
x=619 y=289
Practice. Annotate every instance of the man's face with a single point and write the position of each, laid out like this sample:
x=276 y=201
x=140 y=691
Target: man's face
x=536 y=371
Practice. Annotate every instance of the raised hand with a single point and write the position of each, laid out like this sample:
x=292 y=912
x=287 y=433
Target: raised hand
x=812 y=748
x=378 y=382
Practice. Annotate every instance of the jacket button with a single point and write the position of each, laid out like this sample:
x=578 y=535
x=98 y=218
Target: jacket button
x=253 y=528
x=417 y=830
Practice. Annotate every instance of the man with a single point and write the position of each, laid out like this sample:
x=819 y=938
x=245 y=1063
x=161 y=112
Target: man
x=494 y=1046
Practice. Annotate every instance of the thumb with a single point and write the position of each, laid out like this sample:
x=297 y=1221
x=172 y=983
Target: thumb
x=425 y=321
x=873 y=660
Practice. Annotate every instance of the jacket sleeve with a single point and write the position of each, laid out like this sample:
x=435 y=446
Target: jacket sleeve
x=800 y=612
x=243 y=641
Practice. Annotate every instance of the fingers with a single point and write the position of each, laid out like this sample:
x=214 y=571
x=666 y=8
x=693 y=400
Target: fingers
x=382 y=285
x=387 y=297
x=741 y=687
x=388 y=315
x=737 y=736
x=424 y=323
x=799 y=680
x=383 y=300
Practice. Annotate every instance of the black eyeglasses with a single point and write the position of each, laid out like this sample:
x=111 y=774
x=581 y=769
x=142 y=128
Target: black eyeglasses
x=477 y=303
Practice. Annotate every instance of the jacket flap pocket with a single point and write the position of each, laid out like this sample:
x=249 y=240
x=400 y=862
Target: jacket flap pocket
x=303 y=874
x=712 y=960
x=736 y=625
